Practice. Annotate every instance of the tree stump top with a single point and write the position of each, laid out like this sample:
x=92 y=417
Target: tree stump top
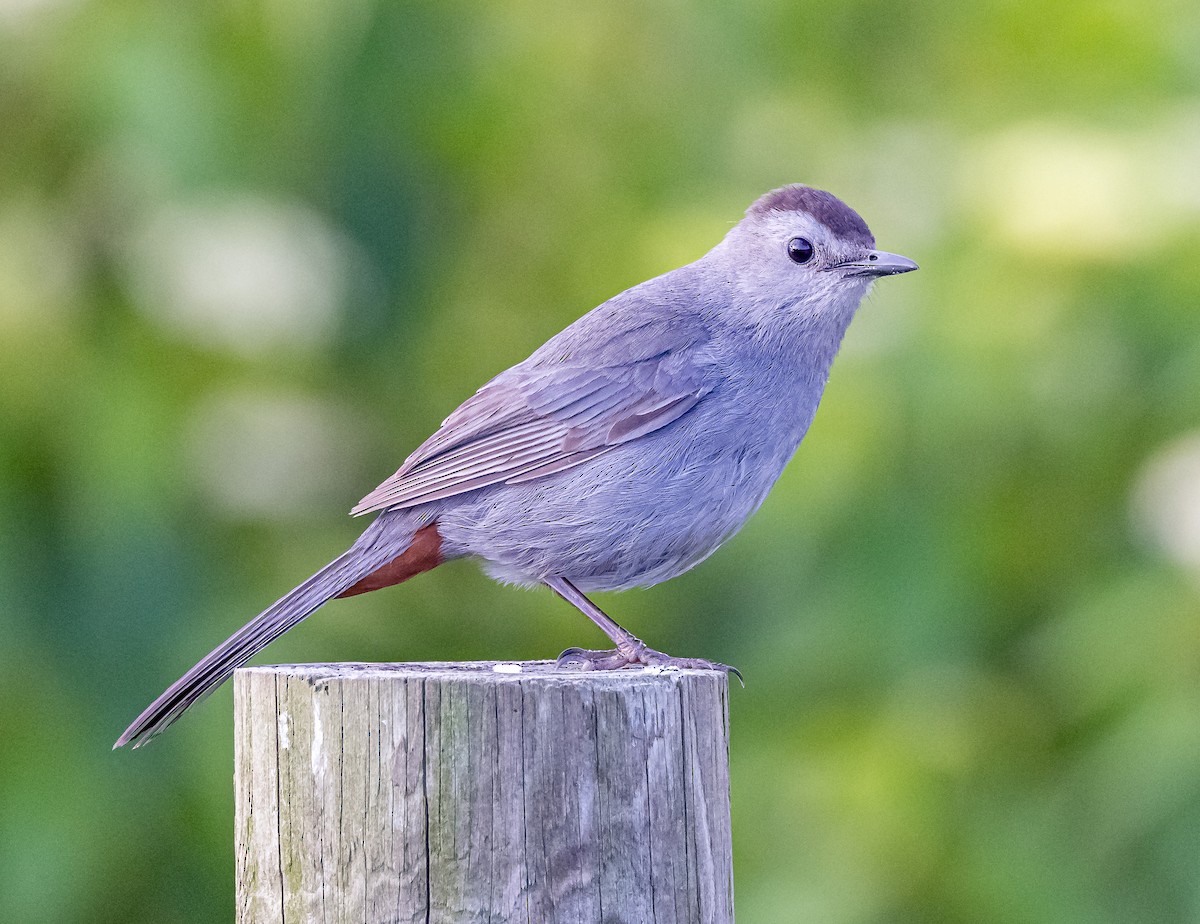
x=490 y=671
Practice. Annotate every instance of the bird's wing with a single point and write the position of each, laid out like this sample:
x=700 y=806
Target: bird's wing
x=534 y=420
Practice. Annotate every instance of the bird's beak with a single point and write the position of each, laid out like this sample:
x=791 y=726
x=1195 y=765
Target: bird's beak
x=876 y=263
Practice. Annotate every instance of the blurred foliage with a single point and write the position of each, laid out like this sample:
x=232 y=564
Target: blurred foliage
x=251 y=253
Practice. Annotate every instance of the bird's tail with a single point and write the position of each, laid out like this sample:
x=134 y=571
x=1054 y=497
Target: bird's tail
x=387 y=537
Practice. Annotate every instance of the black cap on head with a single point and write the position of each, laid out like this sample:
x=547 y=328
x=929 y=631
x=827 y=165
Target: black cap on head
x=825 y=207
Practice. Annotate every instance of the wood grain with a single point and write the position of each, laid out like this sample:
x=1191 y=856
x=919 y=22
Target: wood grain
x=455 y=794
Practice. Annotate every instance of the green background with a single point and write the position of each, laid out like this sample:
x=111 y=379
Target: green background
x=251 y=253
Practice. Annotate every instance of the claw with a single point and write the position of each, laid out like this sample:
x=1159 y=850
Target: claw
x=582 y=659
x=572 y=659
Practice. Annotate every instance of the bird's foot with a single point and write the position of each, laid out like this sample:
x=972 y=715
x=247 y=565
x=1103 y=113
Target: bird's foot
x=615 y=659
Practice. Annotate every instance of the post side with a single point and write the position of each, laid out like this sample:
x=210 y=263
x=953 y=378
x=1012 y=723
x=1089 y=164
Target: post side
x=456 y=793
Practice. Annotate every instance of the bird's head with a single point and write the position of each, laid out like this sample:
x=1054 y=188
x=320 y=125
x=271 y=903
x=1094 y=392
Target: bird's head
x=803 y=250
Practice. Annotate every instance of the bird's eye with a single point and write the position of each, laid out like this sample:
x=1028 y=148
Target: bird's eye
x=800 y=250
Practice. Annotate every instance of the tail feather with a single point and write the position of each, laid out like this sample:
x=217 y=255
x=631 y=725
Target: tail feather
x=378 y=545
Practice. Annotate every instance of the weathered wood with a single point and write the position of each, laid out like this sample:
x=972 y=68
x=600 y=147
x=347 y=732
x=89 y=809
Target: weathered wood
x=465 y=793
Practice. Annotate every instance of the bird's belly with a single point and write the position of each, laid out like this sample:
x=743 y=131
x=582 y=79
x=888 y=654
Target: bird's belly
x=632 y=517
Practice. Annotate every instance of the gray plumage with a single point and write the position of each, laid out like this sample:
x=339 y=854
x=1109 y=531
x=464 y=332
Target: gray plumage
x=628 y=447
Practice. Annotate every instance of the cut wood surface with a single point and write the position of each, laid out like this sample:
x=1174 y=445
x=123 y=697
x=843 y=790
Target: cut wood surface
x=456 y=793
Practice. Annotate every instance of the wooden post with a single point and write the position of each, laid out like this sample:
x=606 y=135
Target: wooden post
x=480 y=792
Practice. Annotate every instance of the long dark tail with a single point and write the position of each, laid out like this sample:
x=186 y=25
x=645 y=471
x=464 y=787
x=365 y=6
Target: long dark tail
x=382 y=541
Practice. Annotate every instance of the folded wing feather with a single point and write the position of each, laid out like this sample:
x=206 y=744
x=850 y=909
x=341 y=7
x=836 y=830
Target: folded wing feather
x=530 y=422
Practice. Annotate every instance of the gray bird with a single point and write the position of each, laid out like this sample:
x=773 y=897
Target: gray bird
x=621 y=453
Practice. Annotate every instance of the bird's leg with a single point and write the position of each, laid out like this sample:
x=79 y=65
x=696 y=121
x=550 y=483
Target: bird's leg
x=631 y=651
x=629 y=647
